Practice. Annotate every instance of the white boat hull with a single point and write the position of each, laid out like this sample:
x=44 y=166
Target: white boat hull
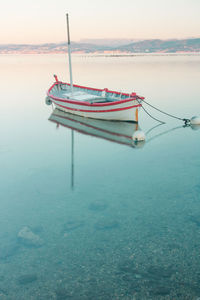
x=121 y=115
x=95 y=103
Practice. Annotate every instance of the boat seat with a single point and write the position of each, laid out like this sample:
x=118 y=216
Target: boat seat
x=81 y=96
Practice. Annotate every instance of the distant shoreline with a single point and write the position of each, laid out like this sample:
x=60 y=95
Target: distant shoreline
x=146 y=47
x=106 y=54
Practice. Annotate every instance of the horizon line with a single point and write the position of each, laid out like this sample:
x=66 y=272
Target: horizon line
x=106 y=39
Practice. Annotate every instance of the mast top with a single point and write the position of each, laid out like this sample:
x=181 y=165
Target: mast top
x=68 y=34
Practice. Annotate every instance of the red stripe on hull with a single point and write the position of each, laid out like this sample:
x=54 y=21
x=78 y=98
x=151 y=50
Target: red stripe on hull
x=98 y=111
x=89 y=104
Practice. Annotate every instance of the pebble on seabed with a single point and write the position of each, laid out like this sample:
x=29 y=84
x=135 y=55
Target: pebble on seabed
x=27 y=237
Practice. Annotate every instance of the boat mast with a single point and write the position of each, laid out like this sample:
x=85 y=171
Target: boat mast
x=69 y=54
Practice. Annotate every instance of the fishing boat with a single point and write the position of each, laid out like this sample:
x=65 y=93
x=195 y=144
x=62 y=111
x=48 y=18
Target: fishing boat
x=116 y=131
x=91 y=102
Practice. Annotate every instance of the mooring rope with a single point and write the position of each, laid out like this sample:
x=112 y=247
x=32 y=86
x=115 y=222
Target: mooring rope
x=163 y=112
x=152 y=116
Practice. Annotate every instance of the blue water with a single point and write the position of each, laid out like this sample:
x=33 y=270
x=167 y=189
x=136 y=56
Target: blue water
x=129 y=228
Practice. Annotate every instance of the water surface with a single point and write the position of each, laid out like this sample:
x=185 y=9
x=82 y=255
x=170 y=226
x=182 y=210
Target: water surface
x=129 y=226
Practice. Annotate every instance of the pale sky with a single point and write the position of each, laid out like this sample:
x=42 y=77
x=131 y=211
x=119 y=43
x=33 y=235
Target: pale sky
x=41 y=21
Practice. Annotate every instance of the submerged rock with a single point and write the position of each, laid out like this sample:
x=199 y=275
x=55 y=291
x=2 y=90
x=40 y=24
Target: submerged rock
x=26 y=279
x=160 y=291
x=106 y=224
x=157 y=272
x=72 y=225
x=27 y=237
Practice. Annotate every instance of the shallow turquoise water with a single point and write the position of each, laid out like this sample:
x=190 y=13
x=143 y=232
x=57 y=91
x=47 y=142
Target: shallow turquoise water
x=130 y=226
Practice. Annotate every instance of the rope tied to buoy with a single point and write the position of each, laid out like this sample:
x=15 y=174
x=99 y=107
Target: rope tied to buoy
x=152 y=116
x=186 y=121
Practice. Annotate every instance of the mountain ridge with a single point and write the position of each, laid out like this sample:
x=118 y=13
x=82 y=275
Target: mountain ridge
x=138 y=46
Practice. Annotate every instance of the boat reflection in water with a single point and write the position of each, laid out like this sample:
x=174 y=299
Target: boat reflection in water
x=124 y=133
x=114 y=131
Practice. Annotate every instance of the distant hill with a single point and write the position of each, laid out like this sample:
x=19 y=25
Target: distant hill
x=51 y=48
x=169 y=46
x=109 y=42
x=145 y=46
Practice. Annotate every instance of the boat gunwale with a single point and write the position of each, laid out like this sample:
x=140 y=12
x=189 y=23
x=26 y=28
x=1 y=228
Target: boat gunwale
x=84 y=103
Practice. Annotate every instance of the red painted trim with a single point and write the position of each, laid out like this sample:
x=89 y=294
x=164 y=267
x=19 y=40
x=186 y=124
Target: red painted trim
x=98 y=111
x=94 y=127
x=133 y=98
x=82 y=103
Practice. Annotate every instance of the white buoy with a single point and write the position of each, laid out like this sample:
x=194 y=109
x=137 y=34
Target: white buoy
x=138 y=136
x=195 y=120
x=48 y=101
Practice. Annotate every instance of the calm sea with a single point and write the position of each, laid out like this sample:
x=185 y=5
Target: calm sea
x=83 y=217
